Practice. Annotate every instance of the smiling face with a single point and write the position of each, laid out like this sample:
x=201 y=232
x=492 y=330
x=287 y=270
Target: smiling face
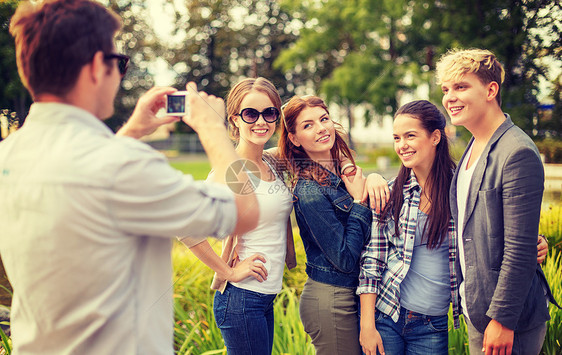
x=414 y=145
x=467 y=100
x=314 y=132
x=259 y=132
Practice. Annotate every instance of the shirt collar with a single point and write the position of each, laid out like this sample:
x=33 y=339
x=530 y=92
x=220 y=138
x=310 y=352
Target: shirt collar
x=334 y=179
x=60 y=113
x=412 y=184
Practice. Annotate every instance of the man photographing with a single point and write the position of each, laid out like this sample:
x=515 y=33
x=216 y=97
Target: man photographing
x=87 y=216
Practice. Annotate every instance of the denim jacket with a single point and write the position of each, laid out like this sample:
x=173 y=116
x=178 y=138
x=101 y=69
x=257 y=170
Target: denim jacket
x=333 y=230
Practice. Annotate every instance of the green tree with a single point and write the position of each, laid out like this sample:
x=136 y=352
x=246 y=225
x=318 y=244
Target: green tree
x=13 y=95
x=226 y=40
x=354 y=53
x=137 y=40
x=520 y=33
x=370 y=52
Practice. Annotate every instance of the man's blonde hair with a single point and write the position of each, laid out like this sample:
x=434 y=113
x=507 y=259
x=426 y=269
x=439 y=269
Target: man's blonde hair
x=458 y=62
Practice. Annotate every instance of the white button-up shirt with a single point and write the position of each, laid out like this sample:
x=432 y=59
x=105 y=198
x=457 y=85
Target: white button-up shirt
x=86 y=227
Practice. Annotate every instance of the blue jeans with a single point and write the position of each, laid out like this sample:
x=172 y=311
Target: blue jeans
x=414 y=333
x=245 y=319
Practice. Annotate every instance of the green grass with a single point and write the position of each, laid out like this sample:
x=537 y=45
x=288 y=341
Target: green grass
x=551 y=225
x=198 y=169
x=290 y=337
x=552 y=268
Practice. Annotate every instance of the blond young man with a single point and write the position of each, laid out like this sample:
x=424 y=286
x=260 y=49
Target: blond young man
x=495 y=197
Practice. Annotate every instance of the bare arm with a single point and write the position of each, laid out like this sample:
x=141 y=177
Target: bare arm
x=369 y=337
x=249 y=267
x=206 y=117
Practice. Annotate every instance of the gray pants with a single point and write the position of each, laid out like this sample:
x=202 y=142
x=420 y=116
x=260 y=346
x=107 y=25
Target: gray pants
x=524 y=343
x=329 y=316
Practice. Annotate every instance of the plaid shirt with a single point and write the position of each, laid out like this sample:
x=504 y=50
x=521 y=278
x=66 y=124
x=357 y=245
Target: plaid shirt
x=386 y=259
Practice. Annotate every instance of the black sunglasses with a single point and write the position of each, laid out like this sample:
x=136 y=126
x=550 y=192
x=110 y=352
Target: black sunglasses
x=251 y=115
x=122 y=62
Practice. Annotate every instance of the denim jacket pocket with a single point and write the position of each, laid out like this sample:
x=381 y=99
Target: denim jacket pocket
x=344 y=203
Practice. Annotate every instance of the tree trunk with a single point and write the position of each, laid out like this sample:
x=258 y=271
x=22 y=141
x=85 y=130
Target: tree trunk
x=349 y=111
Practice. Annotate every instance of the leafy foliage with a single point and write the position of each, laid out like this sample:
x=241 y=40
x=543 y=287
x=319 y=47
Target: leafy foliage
x=226 y=40
x=553 y=271
x=13 y=95
x=372 y=52
x=137 y=40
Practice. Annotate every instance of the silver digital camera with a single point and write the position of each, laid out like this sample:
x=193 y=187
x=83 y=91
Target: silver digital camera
x=176 y=104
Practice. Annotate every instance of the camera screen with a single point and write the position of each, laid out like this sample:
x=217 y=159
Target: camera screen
x=176 y=104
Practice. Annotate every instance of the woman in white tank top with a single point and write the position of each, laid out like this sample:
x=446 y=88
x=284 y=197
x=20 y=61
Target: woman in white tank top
x=250 y=272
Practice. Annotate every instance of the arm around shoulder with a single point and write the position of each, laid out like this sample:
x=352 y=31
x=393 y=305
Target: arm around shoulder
x=248 y=213
x=206 y=117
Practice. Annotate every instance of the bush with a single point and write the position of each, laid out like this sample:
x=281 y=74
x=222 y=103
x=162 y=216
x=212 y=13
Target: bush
x=552 y=268
x=551 y=149
x=195 y=331
x=551 y=225
x=373 y=154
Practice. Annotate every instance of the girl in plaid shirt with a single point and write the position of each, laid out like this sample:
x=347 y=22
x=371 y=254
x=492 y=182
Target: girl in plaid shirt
x=408 y=276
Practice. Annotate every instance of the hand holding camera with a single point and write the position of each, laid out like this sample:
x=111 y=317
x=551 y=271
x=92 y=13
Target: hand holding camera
x=144 y=121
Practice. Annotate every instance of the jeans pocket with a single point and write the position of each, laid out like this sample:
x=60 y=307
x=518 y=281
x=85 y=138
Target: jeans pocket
x=220 y=307
x=439 y=323
x=379 y=316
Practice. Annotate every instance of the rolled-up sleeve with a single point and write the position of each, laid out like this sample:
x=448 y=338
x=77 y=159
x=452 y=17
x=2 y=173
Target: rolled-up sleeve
x=151 y=198
x=374 y=256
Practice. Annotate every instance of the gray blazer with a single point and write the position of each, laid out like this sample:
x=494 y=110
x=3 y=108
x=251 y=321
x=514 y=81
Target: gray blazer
x=502 y=278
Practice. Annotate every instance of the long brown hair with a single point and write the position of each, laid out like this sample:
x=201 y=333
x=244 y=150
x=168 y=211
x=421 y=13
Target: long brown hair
x=438 y=181
x=296 y=160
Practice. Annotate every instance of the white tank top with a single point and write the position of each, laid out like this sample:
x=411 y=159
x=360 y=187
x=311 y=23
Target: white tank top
x=270 y=236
